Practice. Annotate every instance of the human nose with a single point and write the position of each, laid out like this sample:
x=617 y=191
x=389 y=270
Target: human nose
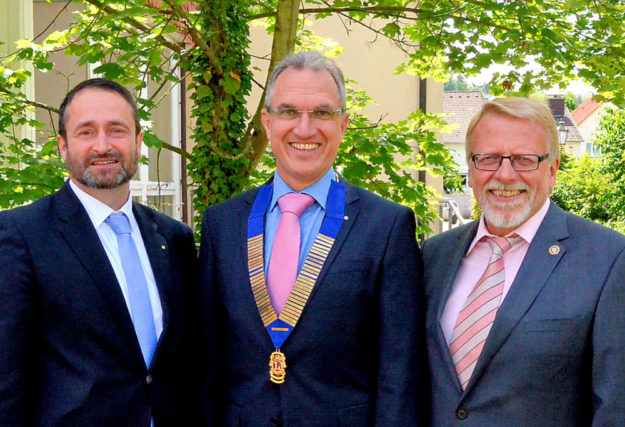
x=305 y=126
x=506 y=171
x=100 y=143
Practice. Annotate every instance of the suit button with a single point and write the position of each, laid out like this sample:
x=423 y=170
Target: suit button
x=462 y=414
x=148 y=379
x=275 y=422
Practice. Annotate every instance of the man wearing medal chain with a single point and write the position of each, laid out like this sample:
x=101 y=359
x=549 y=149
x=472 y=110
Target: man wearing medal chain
x=310 y=286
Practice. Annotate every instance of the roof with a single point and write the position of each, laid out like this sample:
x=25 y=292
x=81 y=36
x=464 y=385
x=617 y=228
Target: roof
x=461 y=107
x=558 y=107
x=585 y=110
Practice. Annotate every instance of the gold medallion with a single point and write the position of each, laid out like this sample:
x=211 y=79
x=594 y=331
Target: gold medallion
x=277 y=362
x=554 y=250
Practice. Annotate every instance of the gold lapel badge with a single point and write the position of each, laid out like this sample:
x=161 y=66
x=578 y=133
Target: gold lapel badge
x=163 y=247
x=554 y=250
x=277 y=362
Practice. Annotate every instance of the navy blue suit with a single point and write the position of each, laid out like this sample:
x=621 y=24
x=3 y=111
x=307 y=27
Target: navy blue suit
x=68 y=351
x=356 y=355
x=556 y=353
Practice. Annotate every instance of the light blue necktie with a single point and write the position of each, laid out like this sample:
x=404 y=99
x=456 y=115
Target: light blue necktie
x=140 y=306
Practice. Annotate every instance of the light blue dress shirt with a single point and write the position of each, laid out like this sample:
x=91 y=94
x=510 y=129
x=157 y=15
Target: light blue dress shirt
x=310 y=221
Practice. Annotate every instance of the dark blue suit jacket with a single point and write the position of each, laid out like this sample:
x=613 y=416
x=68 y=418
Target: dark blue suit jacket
x=556 y=353
x=356 y=355
x=68 y=351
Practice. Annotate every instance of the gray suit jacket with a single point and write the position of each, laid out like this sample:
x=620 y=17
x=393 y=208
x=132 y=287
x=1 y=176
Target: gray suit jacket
x=556 y=353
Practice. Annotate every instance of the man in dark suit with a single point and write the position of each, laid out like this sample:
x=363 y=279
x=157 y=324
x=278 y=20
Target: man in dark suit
x=338 y=343
x=92 y=324
x=525 y=321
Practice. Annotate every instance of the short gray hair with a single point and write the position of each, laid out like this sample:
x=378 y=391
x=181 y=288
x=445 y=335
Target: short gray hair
x=521 y=108
x=312 y=60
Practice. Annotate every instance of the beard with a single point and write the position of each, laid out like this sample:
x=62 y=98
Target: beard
x=103 y=180
x=506 y=215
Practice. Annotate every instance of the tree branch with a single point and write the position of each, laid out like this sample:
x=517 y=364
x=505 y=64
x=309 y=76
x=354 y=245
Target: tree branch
x=196 y=36
x=176 y=150
x=111 y=11
x=28 y=101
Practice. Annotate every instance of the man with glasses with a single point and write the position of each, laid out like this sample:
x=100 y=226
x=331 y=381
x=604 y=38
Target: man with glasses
x=311 y=287
x=525 y=306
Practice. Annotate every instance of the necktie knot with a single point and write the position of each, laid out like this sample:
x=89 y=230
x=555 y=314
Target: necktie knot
x=501 y=245
x=295 y=203
x=119 y=223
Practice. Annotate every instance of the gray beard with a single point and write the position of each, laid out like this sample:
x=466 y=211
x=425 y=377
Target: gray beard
x=91 y=180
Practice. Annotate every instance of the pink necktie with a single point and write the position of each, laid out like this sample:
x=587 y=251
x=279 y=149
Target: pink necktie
x=479 y=310
x=286 y=246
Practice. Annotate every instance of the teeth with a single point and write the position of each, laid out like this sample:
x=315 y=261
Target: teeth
x=104 y=162
x=307 y=147
x=506 y=193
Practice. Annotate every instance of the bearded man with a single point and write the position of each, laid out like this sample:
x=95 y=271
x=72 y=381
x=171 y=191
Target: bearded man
x=93 y=286
x=524 y=306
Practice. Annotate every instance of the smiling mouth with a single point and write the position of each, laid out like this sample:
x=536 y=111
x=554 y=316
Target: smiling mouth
x=305 y=146
x=507 y=193
x=103 y=162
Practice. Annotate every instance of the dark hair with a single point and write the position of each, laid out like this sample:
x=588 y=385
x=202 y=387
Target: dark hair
x=102 y=84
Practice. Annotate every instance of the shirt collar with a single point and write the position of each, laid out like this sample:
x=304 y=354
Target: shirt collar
x=96 y=210
x=318 y=191
x=527 y=230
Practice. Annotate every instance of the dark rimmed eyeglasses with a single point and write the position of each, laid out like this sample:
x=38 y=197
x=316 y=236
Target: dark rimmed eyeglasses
x=519 y=162
x=316 y=114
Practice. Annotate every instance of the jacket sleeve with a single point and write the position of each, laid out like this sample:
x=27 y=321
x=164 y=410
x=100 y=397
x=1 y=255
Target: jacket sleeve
x=401 y=378
x=608 y=343
x=17 y=323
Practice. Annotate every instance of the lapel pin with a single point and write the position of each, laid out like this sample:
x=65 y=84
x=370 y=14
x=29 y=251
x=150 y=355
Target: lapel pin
x=554 y=250
x=163 y=247
x=345 y=217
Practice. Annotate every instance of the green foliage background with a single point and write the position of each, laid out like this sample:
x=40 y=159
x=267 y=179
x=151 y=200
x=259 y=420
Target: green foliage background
x=141 y=42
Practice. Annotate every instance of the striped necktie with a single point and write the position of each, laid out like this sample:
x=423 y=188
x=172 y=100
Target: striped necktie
x=479 y=310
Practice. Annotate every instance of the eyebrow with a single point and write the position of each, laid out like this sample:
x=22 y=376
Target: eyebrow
x=286 y=105
x=109 y=123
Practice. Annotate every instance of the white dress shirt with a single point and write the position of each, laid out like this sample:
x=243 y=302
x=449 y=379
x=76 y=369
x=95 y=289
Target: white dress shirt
x=98 y=212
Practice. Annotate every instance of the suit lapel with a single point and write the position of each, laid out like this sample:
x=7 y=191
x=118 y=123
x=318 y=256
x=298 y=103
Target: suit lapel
x=463 y=242
x=351 y=213
x=158 y=253
x=535 y=270
x=77 y=230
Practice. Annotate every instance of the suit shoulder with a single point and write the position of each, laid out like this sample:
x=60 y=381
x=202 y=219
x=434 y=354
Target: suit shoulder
x=33 y=213
x=448 y=240
x=373 y=200
x=164 y=222
x=242 y=201
x=580 y=227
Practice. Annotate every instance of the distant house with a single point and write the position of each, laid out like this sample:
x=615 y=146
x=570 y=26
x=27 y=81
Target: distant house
x=575 y=141
x=460 y=108
x=587 y=116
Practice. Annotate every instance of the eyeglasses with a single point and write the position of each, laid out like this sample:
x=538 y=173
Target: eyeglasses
x=316 y=114
x=519 y=162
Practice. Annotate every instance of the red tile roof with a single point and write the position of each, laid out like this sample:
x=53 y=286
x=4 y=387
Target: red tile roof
x=585 y=109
